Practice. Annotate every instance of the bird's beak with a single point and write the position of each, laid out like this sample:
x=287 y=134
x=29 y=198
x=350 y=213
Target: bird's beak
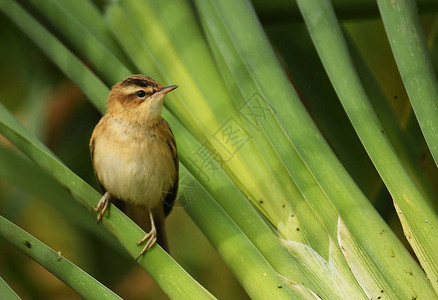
x=166 y=89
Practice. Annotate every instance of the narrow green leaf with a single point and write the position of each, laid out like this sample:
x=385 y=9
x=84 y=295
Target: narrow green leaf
x=374 y=284
x=301 y=290
x=6 y=292
x=331 y=273
x=348 y=286
x=316 y=265
x=413 y=60
x=54 y=262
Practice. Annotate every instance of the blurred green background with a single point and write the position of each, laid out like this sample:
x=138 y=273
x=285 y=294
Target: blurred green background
x=53 y=108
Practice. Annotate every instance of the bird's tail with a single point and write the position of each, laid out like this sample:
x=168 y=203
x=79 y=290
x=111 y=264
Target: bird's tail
x=161 y=234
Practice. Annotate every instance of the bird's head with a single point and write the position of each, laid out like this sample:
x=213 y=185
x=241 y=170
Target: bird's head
x=139 y=95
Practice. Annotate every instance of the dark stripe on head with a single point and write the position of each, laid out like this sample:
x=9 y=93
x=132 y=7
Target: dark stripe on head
x=141 y=80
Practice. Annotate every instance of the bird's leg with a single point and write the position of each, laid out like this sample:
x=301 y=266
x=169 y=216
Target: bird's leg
x=151 y=235
x=102 y=206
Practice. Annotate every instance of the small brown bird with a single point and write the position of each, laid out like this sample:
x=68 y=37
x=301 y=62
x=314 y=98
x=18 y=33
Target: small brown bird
x=134 y=156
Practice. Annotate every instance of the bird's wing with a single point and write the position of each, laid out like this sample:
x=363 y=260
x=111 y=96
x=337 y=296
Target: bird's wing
x=170 y=198
x=92 y=149
x=117 y=202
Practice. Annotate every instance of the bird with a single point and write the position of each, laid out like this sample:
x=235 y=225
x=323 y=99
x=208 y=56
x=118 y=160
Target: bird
x=135 y=159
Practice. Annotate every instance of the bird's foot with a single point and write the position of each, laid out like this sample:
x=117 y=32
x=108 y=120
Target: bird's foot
x=150 y=237
x=102 y=206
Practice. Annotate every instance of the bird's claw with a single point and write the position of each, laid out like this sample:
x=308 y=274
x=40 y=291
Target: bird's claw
x=151 y=238
x=102 y=206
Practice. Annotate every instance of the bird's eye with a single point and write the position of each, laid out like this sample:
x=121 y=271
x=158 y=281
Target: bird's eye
x=141 y=94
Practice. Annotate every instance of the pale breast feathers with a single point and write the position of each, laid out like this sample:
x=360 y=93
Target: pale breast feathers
x=127 y=165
